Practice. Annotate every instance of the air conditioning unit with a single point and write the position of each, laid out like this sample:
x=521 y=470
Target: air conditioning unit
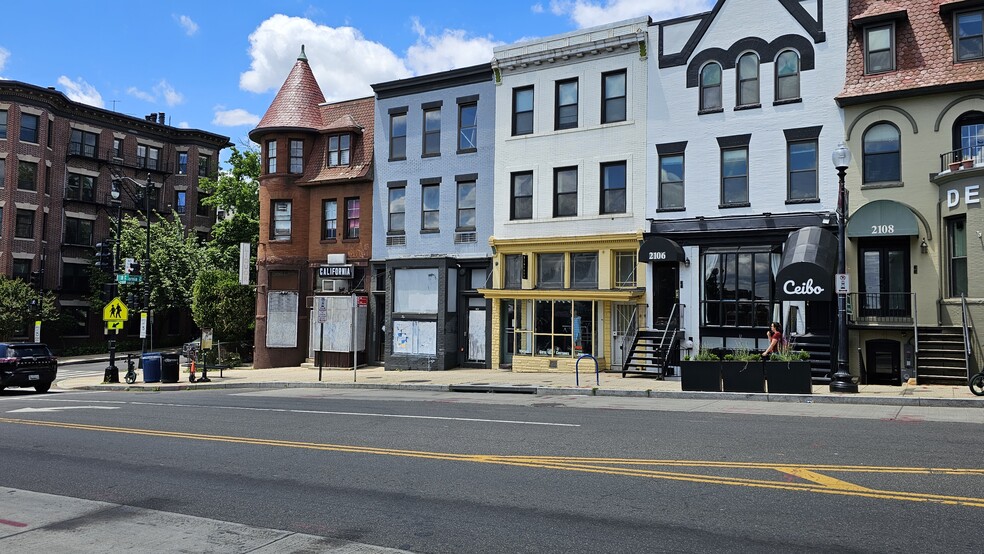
x=334 y=285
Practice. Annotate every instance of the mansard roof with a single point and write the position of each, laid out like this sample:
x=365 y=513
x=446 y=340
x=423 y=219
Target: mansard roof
x=349 y=116
x=296 y=104
x=924 y=56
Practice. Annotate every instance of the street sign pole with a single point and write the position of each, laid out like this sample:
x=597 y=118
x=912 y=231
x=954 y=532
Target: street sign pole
x=355 y=351
x=322 y=306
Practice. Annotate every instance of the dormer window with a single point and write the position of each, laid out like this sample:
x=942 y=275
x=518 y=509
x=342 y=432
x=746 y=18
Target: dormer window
x=879 y=49
x=339 y=147
x=968 y=40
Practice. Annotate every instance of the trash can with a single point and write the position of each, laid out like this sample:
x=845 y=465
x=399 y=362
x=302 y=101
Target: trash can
x=151 y=367
x=170 y=367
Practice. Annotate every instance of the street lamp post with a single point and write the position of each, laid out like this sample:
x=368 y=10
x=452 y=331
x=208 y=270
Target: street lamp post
x=841 y=380
x=146 y=273
x=112 y=373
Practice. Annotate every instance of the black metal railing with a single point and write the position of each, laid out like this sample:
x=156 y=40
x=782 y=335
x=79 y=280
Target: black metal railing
x=962 y=158
x=882 y=307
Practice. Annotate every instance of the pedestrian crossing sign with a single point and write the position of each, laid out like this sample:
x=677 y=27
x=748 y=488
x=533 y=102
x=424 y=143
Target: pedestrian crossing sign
x=116 y=310
x=115 y=325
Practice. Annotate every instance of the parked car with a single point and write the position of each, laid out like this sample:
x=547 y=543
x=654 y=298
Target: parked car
x=27 y=365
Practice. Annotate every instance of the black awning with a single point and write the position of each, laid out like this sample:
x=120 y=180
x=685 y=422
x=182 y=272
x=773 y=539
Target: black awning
x=807 y=266
x=660 y=250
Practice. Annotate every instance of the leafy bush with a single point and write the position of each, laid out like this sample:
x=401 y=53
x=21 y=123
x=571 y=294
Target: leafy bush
x=742 y=354
x=706 y=355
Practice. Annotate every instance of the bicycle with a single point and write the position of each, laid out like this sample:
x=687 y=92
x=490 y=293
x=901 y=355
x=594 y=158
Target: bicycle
x=977 y=384
x=131 y=372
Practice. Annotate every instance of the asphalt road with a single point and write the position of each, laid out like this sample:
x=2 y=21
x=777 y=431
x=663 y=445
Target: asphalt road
x=444 y=472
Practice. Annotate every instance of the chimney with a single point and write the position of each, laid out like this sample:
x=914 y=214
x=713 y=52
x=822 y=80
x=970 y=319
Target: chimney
x=160 y=118
x=151 y=118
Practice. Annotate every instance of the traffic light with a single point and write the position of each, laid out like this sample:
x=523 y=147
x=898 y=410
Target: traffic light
x=104 y=257
x=132 y=267
x=36 y=280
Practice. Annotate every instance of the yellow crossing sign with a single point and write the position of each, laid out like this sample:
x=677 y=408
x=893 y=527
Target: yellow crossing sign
x=115 y=325
x=116 y=310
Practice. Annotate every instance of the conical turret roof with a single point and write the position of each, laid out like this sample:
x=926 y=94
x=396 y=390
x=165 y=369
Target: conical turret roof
x=296 y=104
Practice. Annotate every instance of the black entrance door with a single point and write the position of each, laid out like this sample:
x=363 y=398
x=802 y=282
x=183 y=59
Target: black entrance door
x=666 y=291
x=885 y=278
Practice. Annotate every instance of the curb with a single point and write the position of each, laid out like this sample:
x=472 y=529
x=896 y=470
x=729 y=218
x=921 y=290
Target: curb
x=564 y=391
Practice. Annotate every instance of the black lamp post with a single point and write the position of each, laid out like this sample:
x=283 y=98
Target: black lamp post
x=145 y=263
x=112 y=373
x=841 y=381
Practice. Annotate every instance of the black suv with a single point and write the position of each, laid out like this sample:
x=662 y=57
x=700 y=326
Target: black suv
x=27 y=365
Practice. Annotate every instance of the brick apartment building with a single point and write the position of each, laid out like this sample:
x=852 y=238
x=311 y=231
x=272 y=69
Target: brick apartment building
x=58 y=159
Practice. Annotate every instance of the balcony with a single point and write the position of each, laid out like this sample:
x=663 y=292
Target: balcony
x=882 y=308
x=962 y=158
x=111 y=156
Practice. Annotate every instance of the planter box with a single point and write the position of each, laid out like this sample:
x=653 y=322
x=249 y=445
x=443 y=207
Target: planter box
x=743 y=376
x=789 y=377
x=700 y=376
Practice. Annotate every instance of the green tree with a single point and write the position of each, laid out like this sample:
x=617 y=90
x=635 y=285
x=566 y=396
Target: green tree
x=175 y=257
x=225 y=306
x=16 y=310
x=236 y=191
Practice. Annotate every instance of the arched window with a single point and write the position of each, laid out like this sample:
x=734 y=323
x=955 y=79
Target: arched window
x=710 y=87
x=748 y=80
x=968 y=136
x=882 y=154
x=788 y=76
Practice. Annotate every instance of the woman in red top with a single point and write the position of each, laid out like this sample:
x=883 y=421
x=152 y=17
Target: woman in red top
x=776 y=340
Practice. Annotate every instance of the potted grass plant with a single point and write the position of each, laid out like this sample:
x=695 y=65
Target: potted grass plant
x=743 y=371
x=788 y=371
x=702 y=373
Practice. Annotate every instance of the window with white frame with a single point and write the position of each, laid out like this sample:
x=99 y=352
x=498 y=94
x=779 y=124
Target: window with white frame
x=281 y=220
x=353 y=217
x=296 y=148
x=329 y=230
x=969 y=35
x=339 y=148
x=879 y=49
x=271 y=155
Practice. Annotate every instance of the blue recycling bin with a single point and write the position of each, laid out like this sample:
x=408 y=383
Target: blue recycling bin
x=151 y=362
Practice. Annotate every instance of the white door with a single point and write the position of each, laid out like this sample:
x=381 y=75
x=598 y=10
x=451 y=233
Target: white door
x=623 y=330
x=476 y=335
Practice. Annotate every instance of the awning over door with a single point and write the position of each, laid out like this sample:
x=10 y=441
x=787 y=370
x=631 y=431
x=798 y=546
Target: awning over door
x=659 y=249
x=883 y=218
x=807 y=266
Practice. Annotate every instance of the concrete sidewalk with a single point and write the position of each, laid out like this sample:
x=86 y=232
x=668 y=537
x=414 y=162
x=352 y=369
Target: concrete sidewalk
x=543 y=383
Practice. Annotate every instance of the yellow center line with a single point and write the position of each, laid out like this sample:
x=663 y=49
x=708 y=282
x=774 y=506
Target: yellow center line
x=816 y=482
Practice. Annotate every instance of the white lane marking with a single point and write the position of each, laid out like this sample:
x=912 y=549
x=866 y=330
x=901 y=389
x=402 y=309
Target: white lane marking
x=60 y=408
x=315 y=412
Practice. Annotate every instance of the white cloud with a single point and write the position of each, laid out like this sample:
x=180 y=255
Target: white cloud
x=4 y=56
x=537 y=8
x=171 y=96
x=137 y=93
x=81 y=91
x=452 y=48
x=187 y=23
x=162 y=90
x=234 y=118
x=184 y=125
x=344 y=62
x=589 y=13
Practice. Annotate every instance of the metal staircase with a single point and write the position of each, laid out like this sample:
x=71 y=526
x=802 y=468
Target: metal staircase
x=941 y=359
x=654 y=349
x=820 y=348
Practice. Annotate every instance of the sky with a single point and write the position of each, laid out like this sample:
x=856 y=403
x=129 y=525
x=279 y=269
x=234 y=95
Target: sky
x=216 y=65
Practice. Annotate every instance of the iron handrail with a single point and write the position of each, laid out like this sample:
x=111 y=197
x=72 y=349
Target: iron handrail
x=966 y=332
x=915 y=325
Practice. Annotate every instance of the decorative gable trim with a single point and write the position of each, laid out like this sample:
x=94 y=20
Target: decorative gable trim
x=813 y=27
x=767 y=52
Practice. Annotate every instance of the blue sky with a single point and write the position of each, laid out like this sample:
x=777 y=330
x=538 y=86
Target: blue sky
x=216 y=65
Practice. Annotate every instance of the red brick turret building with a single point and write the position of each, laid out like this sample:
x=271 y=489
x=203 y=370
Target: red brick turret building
x=315 y=200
